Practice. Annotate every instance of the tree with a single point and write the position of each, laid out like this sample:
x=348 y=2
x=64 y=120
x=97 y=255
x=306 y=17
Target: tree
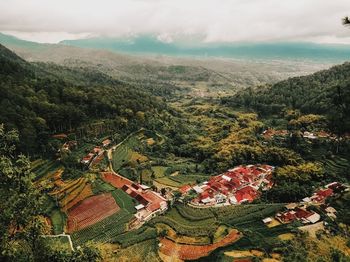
x=20 y=201
x=346 y=21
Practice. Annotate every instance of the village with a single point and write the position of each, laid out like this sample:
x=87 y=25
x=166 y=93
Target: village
x=242 y=184
x=238 y=185
x=302 y=211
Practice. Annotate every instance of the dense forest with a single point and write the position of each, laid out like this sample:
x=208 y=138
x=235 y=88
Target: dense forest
x=43 y=99
x=326 y=93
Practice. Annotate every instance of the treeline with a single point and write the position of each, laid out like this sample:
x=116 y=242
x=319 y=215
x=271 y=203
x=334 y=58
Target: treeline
x=41 y=99
x=326 y=92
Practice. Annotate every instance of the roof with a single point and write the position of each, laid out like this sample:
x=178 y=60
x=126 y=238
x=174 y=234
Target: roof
x=330 y=210
x=140 y=206
x=267 y=220
x=291 y=205
x=185 y=189
x=198 y=189
x=325 y=192
x=314 y=218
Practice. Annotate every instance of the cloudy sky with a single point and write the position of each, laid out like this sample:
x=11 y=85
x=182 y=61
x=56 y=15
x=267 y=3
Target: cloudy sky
x=211 y=20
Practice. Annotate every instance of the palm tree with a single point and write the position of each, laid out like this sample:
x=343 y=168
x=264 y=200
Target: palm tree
x=346 y=21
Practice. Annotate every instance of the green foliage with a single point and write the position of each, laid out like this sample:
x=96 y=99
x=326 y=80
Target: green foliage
x=44 y=98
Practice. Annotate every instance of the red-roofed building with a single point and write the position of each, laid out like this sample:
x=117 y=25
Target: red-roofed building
x=153 y=202
x=106 y=142
x=185 y=189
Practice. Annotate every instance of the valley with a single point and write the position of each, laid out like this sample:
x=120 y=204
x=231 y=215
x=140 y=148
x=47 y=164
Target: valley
x=177 y=159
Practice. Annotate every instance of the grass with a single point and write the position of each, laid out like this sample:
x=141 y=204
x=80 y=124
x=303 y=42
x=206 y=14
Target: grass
x=121 y=156
x=168 y=182
x=159 y=171
x=99 y=186
x=58 y=220
x=124 y=200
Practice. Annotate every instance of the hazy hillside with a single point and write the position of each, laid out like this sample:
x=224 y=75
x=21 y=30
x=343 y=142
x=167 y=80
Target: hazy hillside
x=203 y=75
x=264 y=51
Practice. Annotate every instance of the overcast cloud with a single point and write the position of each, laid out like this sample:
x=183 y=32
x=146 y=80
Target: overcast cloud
x=213 y=20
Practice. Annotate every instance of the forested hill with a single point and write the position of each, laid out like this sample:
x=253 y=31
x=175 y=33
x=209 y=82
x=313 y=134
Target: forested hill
x=326 y=92
x=41 y=99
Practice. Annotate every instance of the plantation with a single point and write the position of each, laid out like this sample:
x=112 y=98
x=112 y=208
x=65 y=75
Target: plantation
x=91 y=211
x=105 y=231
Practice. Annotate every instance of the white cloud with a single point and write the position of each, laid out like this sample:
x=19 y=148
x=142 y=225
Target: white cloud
x=215 y=20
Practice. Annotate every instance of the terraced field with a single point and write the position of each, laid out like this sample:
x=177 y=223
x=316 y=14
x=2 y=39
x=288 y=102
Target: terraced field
x=338 y=167
x=70 y=193
x=185 y=226
x=42 y=168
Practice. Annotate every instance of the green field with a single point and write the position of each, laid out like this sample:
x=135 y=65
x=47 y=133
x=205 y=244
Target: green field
x=58 y=220
x=124 y=200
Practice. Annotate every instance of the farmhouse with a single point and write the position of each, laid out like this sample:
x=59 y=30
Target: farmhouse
x=88 y=158
x=150 y=203
x=299 y=213
x=106 y=143
x=270 y=133
x=237 y=185
x=321 y=195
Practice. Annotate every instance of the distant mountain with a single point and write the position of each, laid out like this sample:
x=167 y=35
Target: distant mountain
x=263 y=51
x=220 y=74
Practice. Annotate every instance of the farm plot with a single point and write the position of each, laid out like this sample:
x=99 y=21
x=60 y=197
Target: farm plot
x=69 y=193
x=185 y=226
x=44 y=168
x=124 y=200
x=139 y=235
x=91 y=211
x=191 y=252
x=58 y=220
x=337 y=167
x=121 y=156
x=105 y=231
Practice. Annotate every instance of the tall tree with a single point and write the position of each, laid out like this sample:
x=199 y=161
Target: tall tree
x=20 y=201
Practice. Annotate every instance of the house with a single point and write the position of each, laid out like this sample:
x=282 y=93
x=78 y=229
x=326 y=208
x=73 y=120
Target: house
x=106 y=142
x=300 y=214
x=87 y=159
x=150 y=203
x=309 y=135
x=185 y=189
x=267 y=220
x=198 y=189
x=321 y=195
x=97 y=150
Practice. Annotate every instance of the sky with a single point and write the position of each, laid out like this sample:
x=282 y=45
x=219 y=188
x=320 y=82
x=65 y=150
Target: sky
x=51 y=21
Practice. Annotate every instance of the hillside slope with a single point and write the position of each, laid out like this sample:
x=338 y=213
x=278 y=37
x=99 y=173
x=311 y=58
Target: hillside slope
x=39 y=99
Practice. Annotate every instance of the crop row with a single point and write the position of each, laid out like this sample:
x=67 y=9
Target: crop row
x=194 y=214
x=104 y=231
